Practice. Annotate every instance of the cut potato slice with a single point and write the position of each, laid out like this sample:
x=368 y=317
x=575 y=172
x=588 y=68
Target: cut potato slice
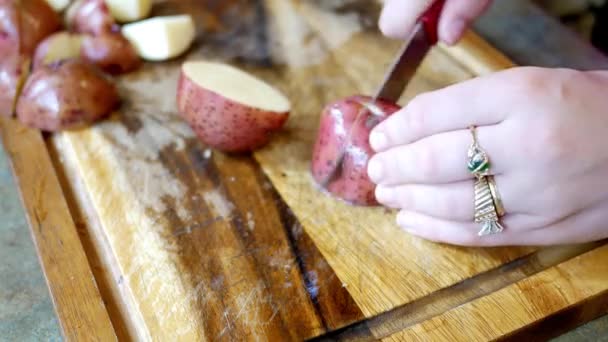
x=59 y=5
x=161 y=38
x=57 y=47
x=126 y=11
x=229 y=109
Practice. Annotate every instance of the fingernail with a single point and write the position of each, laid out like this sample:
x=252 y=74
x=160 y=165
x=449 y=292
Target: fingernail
x=383 y=194
x=454 y=31
x=374 y=170
x=378 y=140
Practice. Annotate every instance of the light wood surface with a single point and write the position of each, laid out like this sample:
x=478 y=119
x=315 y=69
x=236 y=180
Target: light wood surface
x=191 y=244
x=78 y=304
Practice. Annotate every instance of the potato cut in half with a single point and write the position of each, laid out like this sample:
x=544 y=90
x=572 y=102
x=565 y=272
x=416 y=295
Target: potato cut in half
x=125 y=11
x=229 y=109
x=59 y=5
x=161 y=38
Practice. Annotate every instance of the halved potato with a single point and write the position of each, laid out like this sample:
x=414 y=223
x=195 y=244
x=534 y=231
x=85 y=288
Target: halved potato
x=58 y=46
x=161 y=38
x=59 y=5
x=90 y=17
x=68 y=94
x=125 y=11
x=229 y=109
x=112 y=52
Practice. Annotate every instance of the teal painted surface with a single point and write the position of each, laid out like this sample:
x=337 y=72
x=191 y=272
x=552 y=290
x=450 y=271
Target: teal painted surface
x=26 y=311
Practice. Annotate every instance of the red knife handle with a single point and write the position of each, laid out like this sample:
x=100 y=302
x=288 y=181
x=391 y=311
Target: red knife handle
x=430 y=20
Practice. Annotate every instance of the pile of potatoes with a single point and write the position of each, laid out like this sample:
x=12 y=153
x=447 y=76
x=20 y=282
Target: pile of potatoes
x=59 y=56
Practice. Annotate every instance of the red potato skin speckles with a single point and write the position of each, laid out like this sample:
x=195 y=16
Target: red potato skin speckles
x=224 y=124
x=66 y=95
x=348 y=180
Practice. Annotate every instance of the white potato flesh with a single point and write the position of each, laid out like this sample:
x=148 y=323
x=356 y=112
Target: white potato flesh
x=161 y=38
x=126 y=11
x=236 y=85
x=59 y=5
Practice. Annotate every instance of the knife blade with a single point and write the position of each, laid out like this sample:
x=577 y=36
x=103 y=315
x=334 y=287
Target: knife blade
x=411 y=54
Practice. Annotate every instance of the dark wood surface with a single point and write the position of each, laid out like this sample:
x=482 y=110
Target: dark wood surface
x=257 y=272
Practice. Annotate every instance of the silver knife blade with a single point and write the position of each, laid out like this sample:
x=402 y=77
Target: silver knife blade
x=404 y=67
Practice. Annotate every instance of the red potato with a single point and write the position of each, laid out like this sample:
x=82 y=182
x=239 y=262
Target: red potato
x=339 y=164
x=57 y=47
x=13 y=71
x=229 y=109
x=26 y=23
x=66 y=95
x=90 y=17
x=112 y=52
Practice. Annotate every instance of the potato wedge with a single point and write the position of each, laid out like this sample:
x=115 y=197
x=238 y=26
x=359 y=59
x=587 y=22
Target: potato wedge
x=69 y=94
x=112 y=52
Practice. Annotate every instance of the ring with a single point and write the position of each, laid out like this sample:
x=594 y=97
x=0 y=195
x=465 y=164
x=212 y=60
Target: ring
x=488 y=204
x=479 y=162
x=500 y=209
x=485 y=208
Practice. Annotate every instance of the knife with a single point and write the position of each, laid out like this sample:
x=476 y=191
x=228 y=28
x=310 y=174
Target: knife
x=410 y=56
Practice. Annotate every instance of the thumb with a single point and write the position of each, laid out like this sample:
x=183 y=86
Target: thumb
x=399 y=16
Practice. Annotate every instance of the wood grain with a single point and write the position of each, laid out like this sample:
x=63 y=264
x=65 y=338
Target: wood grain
x=78 y=304
x=581 y=280
x=363 y=245
x=191 y=244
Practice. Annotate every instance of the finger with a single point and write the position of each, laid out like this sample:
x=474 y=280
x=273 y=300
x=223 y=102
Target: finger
x=454 y=201
x=457 y=16
x=586 y=226
x=453 y=108
x=466 y=234
x=399 y=16
x=438 y=159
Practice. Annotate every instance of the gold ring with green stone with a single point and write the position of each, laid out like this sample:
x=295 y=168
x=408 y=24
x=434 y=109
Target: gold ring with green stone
x=478 y=160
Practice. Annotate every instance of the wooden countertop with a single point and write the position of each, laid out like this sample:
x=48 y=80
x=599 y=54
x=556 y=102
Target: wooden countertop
x=331 y=306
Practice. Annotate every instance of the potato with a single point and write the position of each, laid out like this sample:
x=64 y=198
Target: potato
x=91 y=17
x=59 y=5
x=125 y=11
x=13 y=72
x=26 y=23
x=68 y=94
x=229 y=109
x=111 y=52
x=342 y=151
x=161 y=38
x=23 y=24
x=57 y=47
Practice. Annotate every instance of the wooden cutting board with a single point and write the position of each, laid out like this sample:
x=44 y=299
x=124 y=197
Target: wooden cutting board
x=189 y=244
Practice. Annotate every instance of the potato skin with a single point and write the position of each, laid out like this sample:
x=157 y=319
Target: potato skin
x=68 y=94
x=38 y=20
x=223 y=124
x=112 y=52
x=90 y=17
x=13 y=71
x=26 y=23
x=347 y=180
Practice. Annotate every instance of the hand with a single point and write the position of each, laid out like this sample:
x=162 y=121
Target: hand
x=546 y=133
x=399 y=17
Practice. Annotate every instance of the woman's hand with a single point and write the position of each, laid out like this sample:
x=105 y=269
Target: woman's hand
x=399 y=17
x=546 y=134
